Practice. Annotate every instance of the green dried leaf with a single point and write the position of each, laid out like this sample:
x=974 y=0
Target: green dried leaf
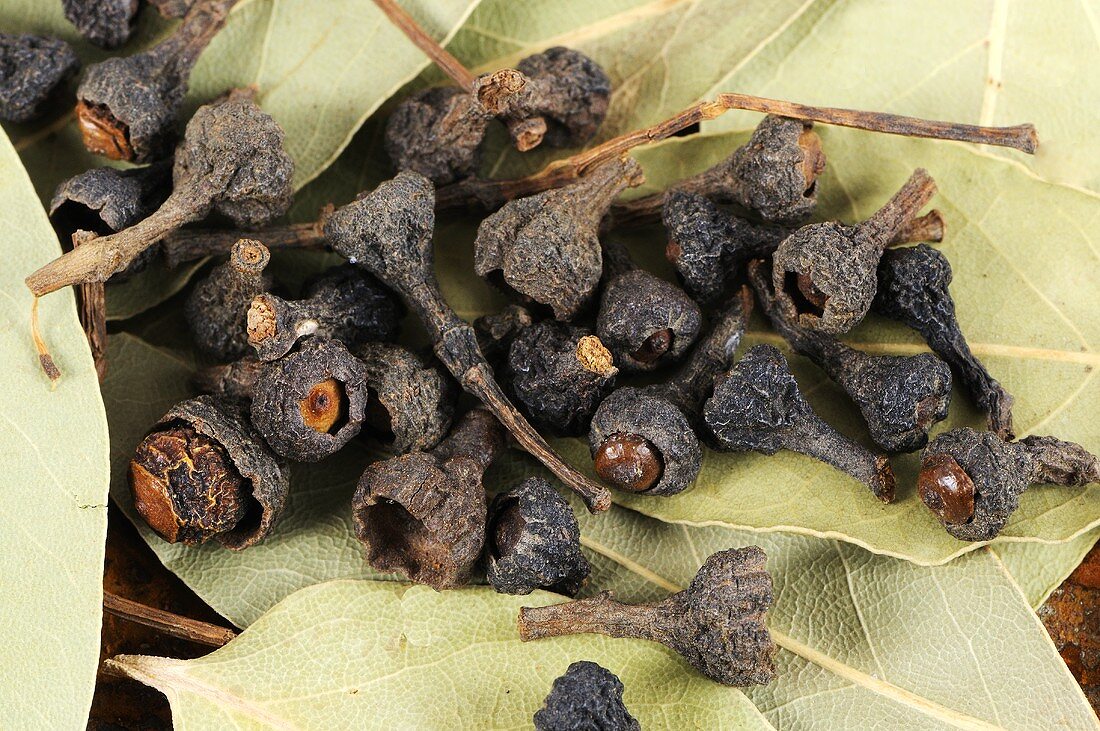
x=54 y=496
x=1040 y=568
x=865 y=641
x=384 y=655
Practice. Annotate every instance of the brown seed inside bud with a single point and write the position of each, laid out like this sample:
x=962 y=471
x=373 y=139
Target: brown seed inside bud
x=946 y=489
x=810 y=291
x=506 y=530
x=654 y=346
x=103 y=133
x=186 y=487
x=813 y=158
x=325 y=406
x=629 y=462
x=673 y=250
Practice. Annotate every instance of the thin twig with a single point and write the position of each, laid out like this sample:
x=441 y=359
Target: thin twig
x=190 y=244
x=493 y=193
x=439 y=55
x=170 y=624
x=92 y=298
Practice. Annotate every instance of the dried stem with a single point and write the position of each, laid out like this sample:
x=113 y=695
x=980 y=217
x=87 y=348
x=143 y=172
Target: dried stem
x=92 y=299
x=190 y=244
x=168 y=623
x=49 y=367
x=491 y=193
x=439 y=55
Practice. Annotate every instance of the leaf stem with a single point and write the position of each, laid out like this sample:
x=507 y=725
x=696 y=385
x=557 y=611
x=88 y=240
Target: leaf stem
x=439 y=55
x=170 y=624
x=493 y=193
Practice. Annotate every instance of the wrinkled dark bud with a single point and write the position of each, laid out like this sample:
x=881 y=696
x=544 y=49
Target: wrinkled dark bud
x=411 y=402
x=825 y=274
x=643 y=320
x=534 y=542
x=437 y=133
x=217 y=308
x=31 y=67
x=900 y=397
x=344 y=304
x=128 y=107
x=973 y=480
x=559 y=373
x=203 y=472
x=913 y=289
x=310 y=403
x=643 y=439
x=757 y=407
x=230 y=381
x=423 y=514
x=545 y=248
x=588 y=696
x=568 y=91
x=716 y=624
x=106 y=23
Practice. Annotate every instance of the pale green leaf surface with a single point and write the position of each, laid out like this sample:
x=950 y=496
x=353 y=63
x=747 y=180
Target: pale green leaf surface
x=1041 y=568
x=993 y=62
x=867 y=641
x=363 y=654
x=53 y=501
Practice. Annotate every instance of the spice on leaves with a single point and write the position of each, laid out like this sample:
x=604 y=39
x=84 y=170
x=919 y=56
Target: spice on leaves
x=217 y=308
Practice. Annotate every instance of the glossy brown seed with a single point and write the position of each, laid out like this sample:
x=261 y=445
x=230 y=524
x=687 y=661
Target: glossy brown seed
x=946 y=489
x=629 y=462
x=325 y=405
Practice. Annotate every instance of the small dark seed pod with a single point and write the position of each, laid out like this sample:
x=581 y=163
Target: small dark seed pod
x=973 y=480
x=233 y=381
x=913 y=289
x=437 y=133
x=642 y=439
x=127 y=107
x=495 y=331
x=203 y=472
x=559 y=373
x=568 y=91
x=643 y=320
x=344 y=304
x=106 y=23
x=411 y=403
x=31 y=67
x=757 y=407
x=709 y=245
x=310 y=403
x=423 y=514
x=588 y=696
x=774 y=174
x=900 y=397
x=107 y=200
x=217 y=308
x=716 y=624
x=825 y=273
x=545 y=248
x=534 y=541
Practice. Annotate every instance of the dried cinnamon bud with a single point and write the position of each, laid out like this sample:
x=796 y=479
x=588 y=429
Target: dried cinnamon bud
x=423 y=514
x=31 y=67
x=310 y=403
x=203 y=472
x=545 y=248
x=344 y=304
x=106 y=23
x=217 y=308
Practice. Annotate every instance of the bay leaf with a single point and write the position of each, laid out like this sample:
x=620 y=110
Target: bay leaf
x=1040 y=568
x=369 y=654
x=867 y=641
x=53 y=504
